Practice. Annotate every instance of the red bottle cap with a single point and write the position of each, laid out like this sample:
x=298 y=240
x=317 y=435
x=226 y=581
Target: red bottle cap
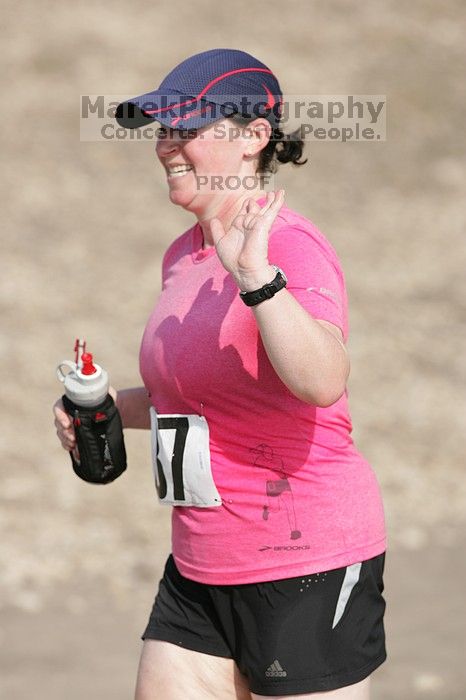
x=88 y=367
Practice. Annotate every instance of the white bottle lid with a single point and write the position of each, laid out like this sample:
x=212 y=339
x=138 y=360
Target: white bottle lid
x=86 y=385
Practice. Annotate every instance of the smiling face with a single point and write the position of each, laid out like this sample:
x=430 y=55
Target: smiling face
x=221 y=150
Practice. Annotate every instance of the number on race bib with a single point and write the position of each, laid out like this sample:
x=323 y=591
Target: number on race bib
x=181 y=460
x=181 y=425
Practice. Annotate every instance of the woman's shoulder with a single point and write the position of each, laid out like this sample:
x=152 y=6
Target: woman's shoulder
x=291 y=225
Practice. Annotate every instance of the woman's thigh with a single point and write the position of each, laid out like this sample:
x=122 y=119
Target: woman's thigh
x=172 y=672
x=358 y=691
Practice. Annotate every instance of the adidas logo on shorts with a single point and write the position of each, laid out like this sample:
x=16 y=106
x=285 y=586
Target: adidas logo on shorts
x=275 y=670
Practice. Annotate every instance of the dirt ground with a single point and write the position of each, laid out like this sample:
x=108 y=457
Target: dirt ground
x=84 y=228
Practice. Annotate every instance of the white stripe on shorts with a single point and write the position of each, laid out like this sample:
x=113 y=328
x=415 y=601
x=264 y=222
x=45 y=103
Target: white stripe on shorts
x=349 y=582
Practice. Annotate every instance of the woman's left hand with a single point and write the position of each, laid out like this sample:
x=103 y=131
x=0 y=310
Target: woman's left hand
x=243 y=248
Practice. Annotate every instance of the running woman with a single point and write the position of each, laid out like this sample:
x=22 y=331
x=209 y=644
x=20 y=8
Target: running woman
x=274 y=585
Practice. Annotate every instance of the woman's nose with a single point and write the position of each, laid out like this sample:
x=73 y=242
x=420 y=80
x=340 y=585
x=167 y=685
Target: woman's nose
x=166 y=145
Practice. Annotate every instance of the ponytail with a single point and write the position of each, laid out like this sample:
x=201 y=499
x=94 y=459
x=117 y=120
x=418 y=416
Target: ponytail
x=282 y=148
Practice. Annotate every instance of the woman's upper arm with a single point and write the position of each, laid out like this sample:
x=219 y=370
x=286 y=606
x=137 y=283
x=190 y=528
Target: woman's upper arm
x=315 y=277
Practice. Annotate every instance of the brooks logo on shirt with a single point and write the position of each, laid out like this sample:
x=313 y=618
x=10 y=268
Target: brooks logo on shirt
x=275 y=670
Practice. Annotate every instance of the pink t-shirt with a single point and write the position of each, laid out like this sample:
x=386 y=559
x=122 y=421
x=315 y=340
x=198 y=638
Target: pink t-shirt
x=297 y=496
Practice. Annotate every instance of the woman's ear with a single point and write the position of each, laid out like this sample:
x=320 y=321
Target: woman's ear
x=258 y=134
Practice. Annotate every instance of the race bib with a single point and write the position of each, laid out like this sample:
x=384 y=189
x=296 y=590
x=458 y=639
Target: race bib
x=181 y=460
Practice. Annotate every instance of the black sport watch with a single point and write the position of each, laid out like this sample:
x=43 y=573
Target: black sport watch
x=267 y=291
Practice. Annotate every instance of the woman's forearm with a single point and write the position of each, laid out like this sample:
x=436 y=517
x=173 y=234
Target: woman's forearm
x=307 y=357
x=134 y=405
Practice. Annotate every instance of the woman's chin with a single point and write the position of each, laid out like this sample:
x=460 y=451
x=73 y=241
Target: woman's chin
x=187 y=199
x=180 y=196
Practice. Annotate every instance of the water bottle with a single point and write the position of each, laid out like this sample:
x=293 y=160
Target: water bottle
x=96 y=419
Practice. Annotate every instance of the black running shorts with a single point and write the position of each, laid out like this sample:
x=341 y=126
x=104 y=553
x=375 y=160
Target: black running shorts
x=297 y=635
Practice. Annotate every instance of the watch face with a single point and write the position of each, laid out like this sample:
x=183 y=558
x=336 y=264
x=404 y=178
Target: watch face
x=278 y=269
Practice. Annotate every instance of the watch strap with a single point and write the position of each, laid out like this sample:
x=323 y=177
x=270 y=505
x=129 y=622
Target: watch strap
x=267 y=291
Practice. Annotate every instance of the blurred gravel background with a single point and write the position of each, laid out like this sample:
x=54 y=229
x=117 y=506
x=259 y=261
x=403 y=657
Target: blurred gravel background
x=84 y=228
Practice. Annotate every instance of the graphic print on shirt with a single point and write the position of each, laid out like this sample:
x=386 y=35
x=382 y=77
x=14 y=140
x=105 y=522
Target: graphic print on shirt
x=278 y=493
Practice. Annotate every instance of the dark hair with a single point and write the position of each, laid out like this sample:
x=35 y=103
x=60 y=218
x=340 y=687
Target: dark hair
x=281 y=148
